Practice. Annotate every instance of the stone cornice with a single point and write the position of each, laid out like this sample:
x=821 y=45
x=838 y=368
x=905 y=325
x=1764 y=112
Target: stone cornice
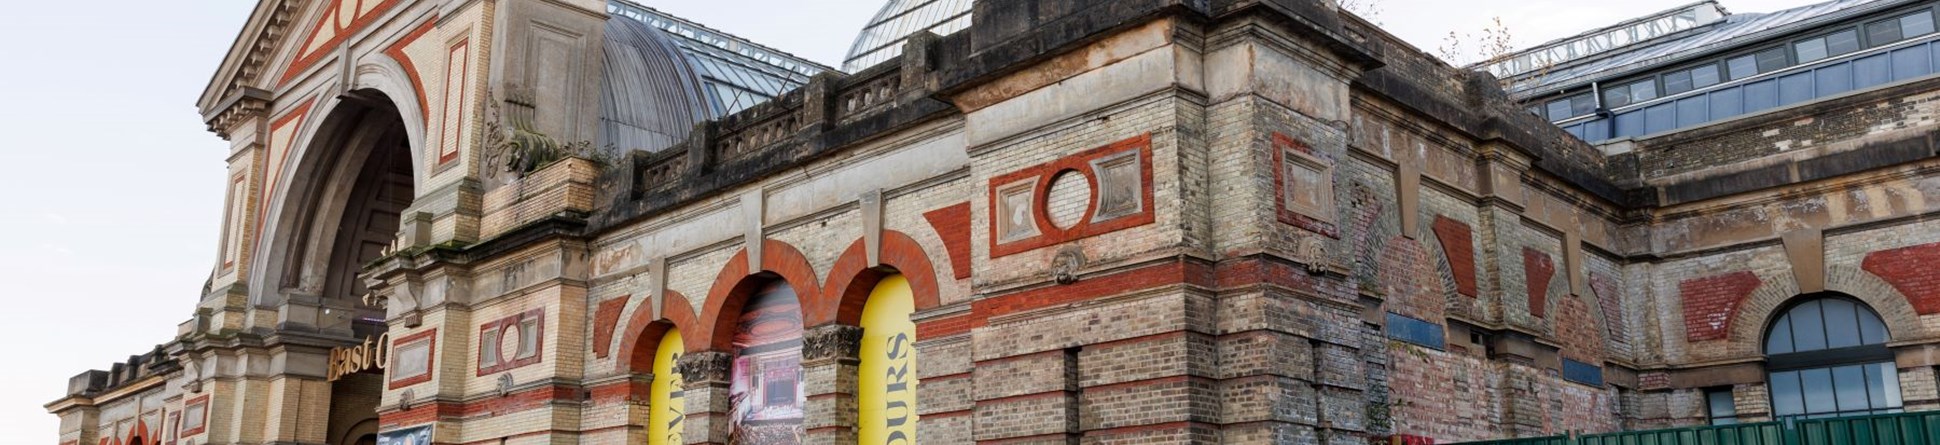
x=249 y=57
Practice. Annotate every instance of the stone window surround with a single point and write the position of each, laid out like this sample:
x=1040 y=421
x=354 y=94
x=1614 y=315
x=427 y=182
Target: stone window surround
x=1318 y=219
x=501 y=325
x=430 y=337
x=201 y=425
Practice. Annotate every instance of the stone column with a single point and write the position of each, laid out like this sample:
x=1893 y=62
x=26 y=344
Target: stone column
x=831 y=355
x=707 y=375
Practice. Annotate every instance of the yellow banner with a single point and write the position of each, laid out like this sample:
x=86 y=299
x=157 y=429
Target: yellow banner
x=667 y=400
x=887 y=385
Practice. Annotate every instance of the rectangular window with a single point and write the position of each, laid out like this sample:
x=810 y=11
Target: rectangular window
x=1584 y=373
x=488 y=343
x=1742 y=66
x=1721 y=408
x=1560 y=109
x=1893 y=30
x=1704 y=76
x=1748 y=65
x=1582 y=104
x=1626 y=94
x=528 y=339
x=1420 y=332
x=1829 y=45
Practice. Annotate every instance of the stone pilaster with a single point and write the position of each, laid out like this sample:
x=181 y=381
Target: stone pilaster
x=708 y=376
x=831 y=355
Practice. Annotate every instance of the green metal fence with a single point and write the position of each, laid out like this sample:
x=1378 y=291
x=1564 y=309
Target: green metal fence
x=1921 y=428
x=1768 y=433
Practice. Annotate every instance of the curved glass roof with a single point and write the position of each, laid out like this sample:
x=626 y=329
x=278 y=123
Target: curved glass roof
x=735 y=73
x=883 y=38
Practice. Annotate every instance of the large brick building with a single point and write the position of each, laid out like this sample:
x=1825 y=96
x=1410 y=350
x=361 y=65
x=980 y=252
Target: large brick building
x=1036 y=221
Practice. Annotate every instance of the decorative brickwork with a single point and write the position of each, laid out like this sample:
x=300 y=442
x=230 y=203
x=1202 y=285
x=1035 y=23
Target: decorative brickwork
x=850 y=280
x=1710 y=303
x=1410 y=281
x=1459 y=245
x=1578 y=331
x=1914 y=271
x=953 y=225
x=735 y=283
x=605 y=319
x=1538 y=269
x=646 y=326
x=1609 y=299
x=506 y=340
x=1090 y=225
x=1300 y=171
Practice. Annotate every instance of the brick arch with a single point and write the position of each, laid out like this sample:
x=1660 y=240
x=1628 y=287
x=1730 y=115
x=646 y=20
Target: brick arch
x=1405 y=271
x=1579 y=327
x=139 y=432
x=1454 y=302
x=647 y=326
x=736 y=283
x=1747 y=331
x=852 y=279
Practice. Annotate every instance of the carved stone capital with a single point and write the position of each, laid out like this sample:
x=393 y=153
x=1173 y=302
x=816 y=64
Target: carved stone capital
x=701 y=368
x=838 y=343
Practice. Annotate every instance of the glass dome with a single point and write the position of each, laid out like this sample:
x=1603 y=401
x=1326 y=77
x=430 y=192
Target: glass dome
x=883 y=38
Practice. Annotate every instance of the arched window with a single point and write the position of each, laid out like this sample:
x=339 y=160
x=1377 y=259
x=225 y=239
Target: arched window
x=1827 y=357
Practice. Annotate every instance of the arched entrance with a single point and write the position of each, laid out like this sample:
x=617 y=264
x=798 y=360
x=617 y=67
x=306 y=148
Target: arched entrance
x=347 y=192
x=1827 y=357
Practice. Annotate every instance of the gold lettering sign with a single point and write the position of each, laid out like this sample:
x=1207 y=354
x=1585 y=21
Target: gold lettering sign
x=374 y=353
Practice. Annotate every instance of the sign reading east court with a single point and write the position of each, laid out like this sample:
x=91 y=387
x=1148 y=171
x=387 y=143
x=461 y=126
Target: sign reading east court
x=374 y=353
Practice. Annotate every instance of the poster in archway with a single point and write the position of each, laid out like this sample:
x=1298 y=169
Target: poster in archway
x=767 y=393
x=887 y=382
x=667 y=396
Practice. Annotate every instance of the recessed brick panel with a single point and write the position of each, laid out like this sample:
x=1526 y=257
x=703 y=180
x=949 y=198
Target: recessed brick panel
x=1710 y=303
x=953 y=225
x=1538 y=268
x=606 y=318
x=1458 y=242
x=1410 y=282
x=1912 y=271
x=1576 y=329
x=1609 y=298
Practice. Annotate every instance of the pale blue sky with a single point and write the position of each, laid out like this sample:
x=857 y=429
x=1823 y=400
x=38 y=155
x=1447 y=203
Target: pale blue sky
x=111 y=189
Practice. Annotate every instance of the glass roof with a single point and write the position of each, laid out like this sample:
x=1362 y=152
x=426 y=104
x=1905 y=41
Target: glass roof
x=735 y=73
x=883 y=38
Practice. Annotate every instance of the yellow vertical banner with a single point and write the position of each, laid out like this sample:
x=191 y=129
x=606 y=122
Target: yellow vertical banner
x=887 y=385
x=667 y=401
